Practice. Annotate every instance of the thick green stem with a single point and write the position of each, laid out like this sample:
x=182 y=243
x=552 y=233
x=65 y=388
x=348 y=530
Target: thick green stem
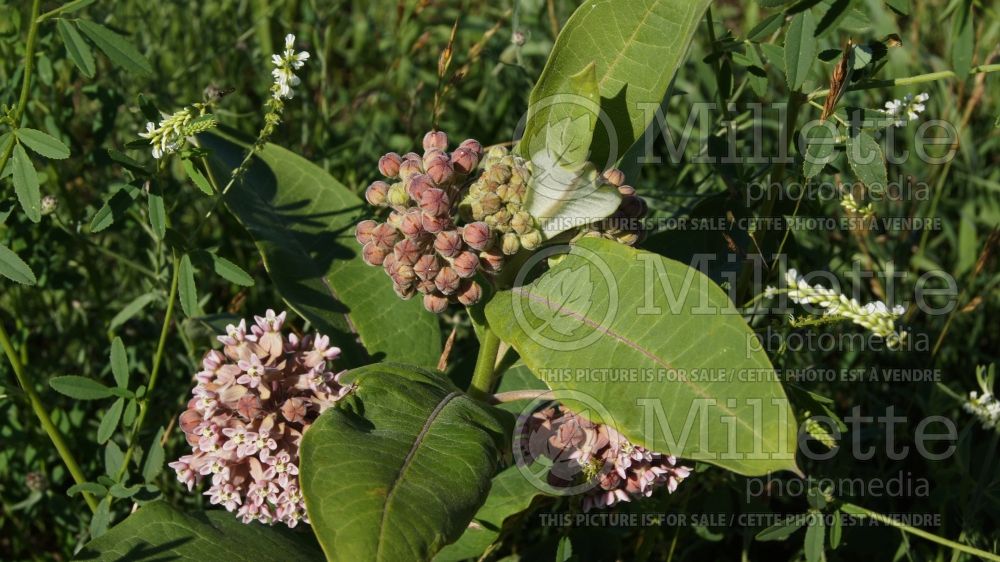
x=858 y=511
x=43 y=416
x=482 y=378
x=157 y=361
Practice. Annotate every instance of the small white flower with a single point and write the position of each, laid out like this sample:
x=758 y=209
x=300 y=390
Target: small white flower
x=906 y=110
x=284 y=66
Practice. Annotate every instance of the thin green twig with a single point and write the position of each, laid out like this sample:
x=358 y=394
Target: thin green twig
x=909 y=81
x=43 y=416
x=157 y=361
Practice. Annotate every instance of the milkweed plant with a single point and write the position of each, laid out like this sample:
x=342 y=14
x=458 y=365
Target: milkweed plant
x=443 y=281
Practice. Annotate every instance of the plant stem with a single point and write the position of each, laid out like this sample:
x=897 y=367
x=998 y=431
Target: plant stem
x=157 y=361
x=482 y=377
x=29 y=67
x=65 y=7
x=909 y=81
x=43 y=417
x=858 y=511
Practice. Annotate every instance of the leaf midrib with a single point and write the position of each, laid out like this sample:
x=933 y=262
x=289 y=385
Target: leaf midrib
x=407 y=462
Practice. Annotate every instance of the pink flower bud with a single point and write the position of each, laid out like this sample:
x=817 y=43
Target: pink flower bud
x=409 y=168
x=404 y=274
x=418 y=184
x=440 y=170
x=404 y=292
x=626 y=190
x=477 y=235
x=435 y=202
x=491 y=261
x=410 y=225
x=464 y=160
x=614 y=176
x=407 y=252
x=373 y=254
x=448 y=243
x=389 y=265
x=363 y=232
x=435 y=139
x=470 y=293
x=385 y=236
x=425 y=286
x=447 y=281
x=377 y=193
x=474 y=146
x=434 y=303
x=434 y=224
x=465 y=264
x=427 y=267
x=388 y=165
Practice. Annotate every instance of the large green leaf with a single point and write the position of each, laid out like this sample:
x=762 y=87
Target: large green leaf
x=800 y=48
x=655 y=348
x=637 y=47
x=160 y=532
x=303 y=222
x=510 y=494
x=400 y=475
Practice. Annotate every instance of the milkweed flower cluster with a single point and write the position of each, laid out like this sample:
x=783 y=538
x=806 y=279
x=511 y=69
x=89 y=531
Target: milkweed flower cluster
x=580 y=449
x=285 y=66
x=251 y=404
x=906 y=110
x=170 y=134
x=875 y=316
x=498 y=198
x=420 y=246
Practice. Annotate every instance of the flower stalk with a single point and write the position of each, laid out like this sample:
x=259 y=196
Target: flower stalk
x=482 y=378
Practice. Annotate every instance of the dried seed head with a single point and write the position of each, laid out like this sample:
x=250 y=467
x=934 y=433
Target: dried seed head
x=435 y=139
x=388 y=165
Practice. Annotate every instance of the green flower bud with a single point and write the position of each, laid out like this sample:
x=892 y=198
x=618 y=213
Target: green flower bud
x=511 y=244
x=397 y=196
x=532 y=240
x=522 y=223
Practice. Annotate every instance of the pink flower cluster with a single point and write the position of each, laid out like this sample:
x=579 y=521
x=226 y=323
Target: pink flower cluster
x=420 y=246
x=252 y=402
x=584 y=451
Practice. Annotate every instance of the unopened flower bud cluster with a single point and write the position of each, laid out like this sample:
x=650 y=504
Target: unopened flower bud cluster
x=173 y=130
x=581 y=450
x=420 y=245
x=625 y=225
x=497 y=198
x=875 y=316
x=851 y=205
x=252 y=402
